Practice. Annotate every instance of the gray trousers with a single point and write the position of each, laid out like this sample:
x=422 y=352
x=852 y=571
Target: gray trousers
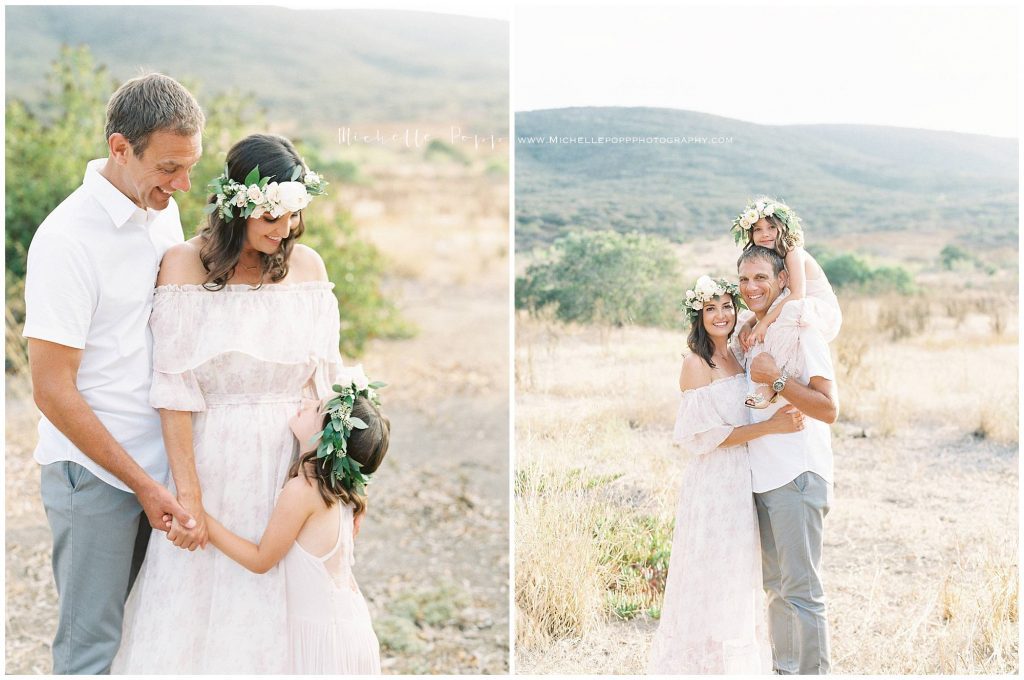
x=790 y=521
x=100 y=536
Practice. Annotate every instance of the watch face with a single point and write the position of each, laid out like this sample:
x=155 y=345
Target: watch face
x=779 y=384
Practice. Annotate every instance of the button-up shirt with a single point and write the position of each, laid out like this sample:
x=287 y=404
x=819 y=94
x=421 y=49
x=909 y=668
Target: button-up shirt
x=92 y=269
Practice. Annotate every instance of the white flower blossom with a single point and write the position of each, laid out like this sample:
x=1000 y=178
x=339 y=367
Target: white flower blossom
x=255 y=194
x=271 y=192
x=698 y=305
x=258 y=211
x=354 y=375
x=744 y=223
x=769 y=210
x=311 y=178
x=293 y=196
x=240 y=199
x=751 y=216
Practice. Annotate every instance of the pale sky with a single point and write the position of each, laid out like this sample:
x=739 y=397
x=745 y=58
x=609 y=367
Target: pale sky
x=941 y=68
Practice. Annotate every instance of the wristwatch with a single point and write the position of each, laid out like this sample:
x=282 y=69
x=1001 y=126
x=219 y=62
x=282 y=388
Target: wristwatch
x=780 y=383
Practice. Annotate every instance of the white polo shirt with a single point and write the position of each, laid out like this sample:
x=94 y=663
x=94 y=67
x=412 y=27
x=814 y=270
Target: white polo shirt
x=92 y=268
x=778 y=459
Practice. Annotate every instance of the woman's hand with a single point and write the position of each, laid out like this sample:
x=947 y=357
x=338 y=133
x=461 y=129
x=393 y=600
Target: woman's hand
x=196 y=537
x=786 y=420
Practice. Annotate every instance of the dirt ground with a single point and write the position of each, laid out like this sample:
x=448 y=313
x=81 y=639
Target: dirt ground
x=432 y=558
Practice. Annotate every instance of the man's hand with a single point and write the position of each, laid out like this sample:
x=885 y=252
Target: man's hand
x=763 y=369
x=157 y=502
x=190 y=538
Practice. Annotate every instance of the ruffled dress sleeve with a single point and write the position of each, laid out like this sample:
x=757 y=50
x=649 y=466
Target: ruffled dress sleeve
x=328 y=354
x=699 y=427
x=173 y=324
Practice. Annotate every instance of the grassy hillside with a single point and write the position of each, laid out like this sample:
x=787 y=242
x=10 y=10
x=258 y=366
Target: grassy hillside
x=325 y=68
x=843 y=180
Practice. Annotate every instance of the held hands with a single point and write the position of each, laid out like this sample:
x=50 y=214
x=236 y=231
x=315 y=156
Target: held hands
x=744 y=334
x=160 y=506
x=787 y=420
x=185 y=537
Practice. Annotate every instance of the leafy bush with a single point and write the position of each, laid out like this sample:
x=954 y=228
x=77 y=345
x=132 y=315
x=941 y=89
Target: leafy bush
x=605 y=277
x=851 y=272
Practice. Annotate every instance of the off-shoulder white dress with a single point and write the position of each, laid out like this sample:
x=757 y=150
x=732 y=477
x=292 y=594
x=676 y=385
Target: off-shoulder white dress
x=713 y=617
x=240 y=359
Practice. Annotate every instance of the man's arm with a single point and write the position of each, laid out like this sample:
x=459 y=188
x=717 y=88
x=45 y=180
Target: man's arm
x=54 y=369
x=817 y=399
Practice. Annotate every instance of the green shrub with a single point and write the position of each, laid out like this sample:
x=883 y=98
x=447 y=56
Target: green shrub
x=851 y=272
x=605 y=277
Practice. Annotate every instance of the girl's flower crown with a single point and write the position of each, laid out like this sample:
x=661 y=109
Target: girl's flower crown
x=707 y=289
x=332 y=448
x=258 y=195
x=763 y=206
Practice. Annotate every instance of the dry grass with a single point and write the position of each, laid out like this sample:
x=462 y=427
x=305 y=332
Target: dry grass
x=921 y=545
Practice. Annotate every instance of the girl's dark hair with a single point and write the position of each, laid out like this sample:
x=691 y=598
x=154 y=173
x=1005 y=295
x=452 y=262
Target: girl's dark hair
x=700 y=343
x=785 y=240
x=367 y=447
x=277 y=158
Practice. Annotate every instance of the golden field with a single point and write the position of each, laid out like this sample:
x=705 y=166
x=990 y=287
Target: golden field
x=920 y=555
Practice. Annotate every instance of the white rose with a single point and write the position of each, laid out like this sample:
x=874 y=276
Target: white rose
x=311 y=178
x=760 y=208
x=255 y=194
x=293 y=196
x=769 y=210
x=744 y=223
x=271 y=192
x=751 y=216
x=697 y=305
x=240 y=199
x=690 y=295
x=277 y=211
x=258 y=211
x=354 y=375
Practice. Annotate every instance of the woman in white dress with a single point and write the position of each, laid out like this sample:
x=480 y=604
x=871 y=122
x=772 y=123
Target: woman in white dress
x=244 y=326
x=713 y=617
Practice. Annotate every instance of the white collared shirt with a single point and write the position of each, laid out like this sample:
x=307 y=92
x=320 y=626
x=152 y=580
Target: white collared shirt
x=778 y=459
x=92 y=268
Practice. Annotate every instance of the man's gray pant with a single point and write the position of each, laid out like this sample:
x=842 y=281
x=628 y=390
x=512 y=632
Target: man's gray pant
x=99 y=540
x=790 y=521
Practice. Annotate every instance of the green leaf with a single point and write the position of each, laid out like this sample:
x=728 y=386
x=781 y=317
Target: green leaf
x=376 y=384
x=230 y=213
x=264 y=182
x=358 y=423
x=336 y=388
x=296 y=172
x=209 y=208
x=253 y=176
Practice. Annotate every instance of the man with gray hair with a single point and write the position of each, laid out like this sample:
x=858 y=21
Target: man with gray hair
x=92 y=267
x=791 y=476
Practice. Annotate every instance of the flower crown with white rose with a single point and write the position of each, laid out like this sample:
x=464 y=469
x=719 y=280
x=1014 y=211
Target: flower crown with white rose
x=707 y=289
x=333 y=439
x=762 y=206
x=258 y=195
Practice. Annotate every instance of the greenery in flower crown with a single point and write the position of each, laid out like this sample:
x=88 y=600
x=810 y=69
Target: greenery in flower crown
x=763 y=206
x=707 y=289
x=333 y=446
x=258 y=195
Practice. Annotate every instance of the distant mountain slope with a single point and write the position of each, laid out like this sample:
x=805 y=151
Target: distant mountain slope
x=325 y=67
x=840 y=178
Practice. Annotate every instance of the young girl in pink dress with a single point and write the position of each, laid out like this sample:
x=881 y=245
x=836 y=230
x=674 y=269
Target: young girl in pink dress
x=342 y=441
x=811 y=301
